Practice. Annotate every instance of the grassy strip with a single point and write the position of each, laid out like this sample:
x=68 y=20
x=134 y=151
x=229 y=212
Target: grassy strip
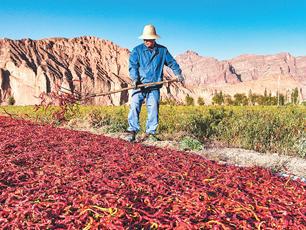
x=261 y=128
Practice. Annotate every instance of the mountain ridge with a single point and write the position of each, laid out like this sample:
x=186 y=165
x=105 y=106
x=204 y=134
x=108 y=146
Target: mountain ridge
x=90 y=64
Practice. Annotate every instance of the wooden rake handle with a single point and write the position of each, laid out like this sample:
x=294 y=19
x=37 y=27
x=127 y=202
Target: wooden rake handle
x=128 y=88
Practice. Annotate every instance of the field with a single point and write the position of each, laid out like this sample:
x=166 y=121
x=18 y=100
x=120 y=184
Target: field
x=261 y=128
x=55 y=178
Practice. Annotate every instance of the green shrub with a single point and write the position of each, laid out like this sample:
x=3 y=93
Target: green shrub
x=168 y=101
x=98 y=119
x=218 y=98
x=189 y=100
x=228 y=100
x=205 y=125
x=118 y=121
x=189 y=143
x=201 y=101
x=117 y=125
x=112 y=121
x=11 y=100
x=240 y=99
x=72 y=111
x=264 y=131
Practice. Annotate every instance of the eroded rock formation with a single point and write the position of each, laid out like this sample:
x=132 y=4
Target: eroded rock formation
x=91 y=65
x=84 y=64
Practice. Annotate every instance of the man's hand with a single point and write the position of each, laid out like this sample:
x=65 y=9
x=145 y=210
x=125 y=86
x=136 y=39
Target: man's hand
x=180 y=78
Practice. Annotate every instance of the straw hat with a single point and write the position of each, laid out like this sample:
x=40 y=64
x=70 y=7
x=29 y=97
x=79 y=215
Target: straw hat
x=149 y=32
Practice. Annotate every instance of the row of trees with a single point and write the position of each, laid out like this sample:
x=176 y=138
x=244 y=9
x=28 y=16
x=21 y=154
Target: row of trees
x=252 y=99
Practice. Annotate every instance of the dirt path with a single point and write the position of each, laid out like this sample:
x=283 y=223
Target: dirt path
x=285 y=165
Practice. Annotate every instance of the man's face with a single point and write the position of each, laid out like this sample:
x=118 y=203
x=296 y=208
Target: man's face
x=149 y=43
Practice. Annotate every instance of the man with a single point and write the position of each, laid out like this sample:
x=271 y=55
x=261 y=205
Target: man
x=145 y=66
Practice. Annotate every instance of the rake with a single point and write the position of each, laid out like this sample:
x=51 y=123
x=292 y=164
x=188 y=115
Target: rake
x=125 y=89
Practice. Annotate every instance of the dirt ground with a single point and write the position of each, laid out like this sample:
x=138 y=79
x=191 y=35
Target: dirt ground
x=282 y=164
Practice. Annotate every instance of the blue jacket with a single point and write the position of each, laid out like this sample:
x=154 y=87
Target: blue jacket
x=146 y=66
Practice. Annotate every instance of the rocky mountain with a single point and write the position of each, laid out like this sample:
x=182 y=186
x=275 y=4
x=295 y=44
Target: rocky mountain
x=90 y=65
x=85 y=64
x=281 y=72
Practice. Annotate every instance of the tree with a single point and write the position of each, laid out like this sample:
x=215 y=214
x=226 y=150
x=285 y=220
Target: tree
x=218 y=98
x=228 y=100
x=295 y=96
x=240 y=99
x=11 y=100
x=252 y=97
x=201 y=101
x=281 y=99
x=273 y=100
x=268 y=99
x=189 y=100
x=265 y=93
x=260 y=100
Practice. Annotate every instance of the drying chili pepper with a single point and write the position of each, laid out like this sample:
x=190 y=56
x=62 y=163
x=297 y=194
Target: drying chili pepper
x=53 y=178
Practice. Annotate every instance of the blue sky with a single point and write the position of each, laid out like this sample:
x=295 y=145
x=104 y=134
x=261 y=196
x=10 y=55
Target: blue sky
x=218 y=28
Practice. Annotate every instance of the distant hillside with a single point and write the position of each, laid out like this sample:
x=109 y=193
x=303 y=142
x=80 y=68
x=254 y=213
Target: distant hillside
x=85 y=64
x=281 y=72
x=89 y=64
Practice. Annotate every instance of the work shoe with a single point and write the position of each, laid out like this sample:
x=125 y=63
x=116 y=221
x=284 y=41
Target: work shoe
x=131 y=136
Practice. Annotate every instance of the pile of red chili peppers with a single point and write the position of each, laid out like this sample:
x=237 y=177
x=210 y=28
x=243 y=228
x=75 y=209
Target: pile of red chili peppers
x=53 y=178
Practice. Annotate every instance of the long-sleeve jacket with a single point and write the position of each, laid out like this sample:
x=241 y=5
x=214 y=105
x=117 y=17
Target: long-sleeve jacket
x=146 y=65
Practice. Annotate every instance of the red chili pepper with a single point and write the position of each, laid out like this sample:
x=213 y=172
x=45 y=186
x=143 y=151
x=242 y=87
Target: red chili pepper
x=49 y=176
